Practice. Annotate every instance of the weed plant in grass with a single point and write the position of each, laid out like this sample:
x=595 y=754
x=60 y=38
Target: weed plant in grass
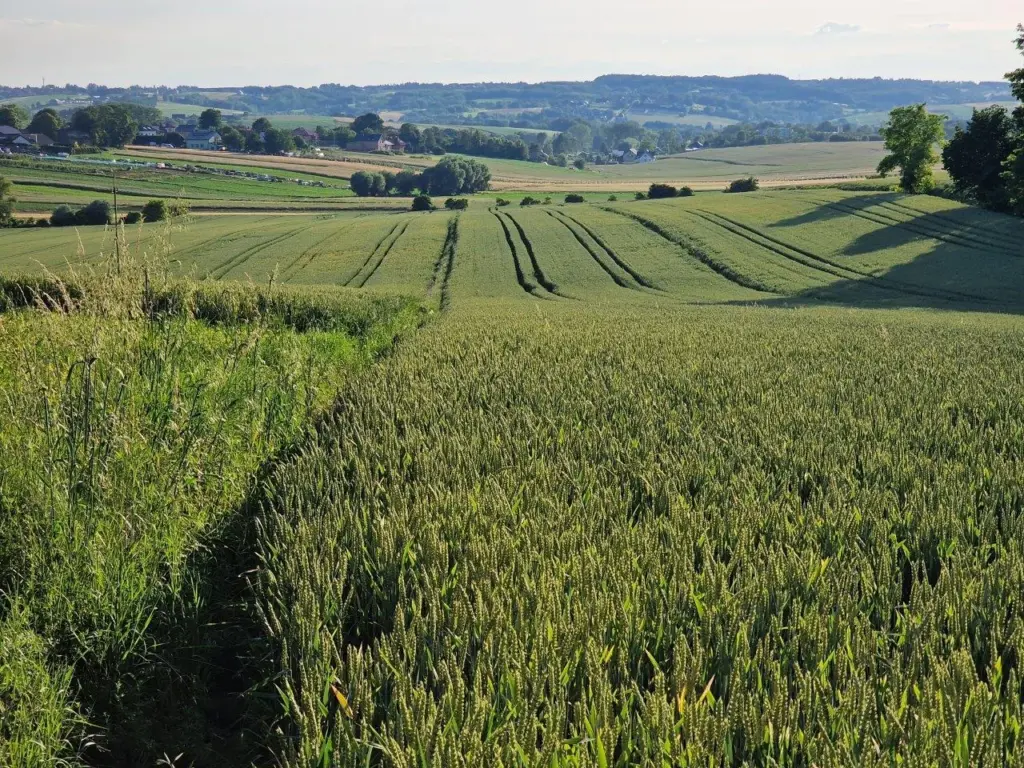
x=134 y=416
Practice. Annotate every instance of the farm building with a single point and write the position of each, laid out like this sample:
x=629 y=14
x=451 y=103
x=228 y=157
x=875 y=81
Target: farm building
x=203 y=140
x=310 y=137
x=376 y=143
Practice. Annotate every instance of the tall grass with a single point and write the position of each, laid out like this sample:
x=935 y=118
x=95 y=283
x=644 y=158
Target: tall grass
x=134 y=414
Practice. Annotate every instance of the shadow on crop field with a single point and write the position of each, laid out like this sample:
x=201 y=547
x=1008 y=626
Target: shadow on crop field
x=975 y=262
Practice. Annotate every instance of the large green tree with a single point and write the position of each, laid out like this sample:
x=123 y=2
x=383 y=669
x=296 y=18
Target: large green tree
x=232 y=138
x=975 y=158
x=210 y=119
x=1013 y=174
x=13 y=115
x=261 y=125
x=911 y=136
x=108 y=125
x=278 y=140
x=46 y=122
x=368 y=124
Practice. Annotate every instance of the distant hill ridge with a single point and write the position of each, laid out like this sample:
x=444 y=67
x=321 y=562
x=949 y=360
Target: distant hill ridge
x=746 y=97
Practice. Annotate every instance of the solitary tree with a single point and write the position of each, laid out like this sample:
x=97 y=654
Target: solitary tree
x=911 y=136
x=210 y=119
x=367 y=124
x=13 y=115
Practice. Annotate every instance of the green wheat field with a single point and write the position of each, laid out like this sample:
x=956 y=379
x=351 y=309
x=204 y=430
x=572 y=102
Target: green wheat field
x=727 y=480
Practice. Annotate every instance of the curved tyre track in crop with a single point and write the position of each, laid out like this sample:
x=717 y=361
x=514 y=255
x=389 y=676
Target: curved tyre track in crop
x=384 y=255
x=373 y=253
x=239 y=259
x=888 y=219
x=621 y=262
x=616 y=278
x=446 y=262
x=538 y=273
x=525 y=284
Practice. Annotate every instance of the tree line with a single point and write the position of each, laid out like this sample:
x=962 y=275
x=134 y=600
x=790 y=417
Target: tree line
x=985 y=159
x=451 y=176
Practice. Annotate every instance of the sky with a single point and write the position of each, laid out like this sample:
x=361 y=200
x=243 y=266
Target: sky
x=309 y=42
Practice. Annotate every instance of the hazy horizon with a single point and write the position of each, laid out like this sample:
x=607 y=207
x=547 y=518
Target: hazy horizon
x=148 y=42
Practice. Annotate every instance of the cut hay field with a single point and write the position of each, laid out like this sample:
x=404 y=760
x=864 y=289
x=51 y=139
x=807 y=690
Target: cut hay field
x=729 y=480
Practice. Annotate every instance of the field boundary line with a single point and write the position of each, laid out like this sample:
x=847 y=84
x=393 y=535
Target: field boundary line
x=618 y=279
x=621 y=262
x=723 y=270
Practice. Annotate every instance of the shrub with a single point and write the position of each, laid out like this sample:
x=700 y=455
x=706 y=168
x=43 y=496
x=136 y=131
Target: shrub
x=43 y=223
x=749 y=184
x=155 y=210
x=612 y=198
x=501 y=202
x=547 y=201
x=661 y=191
x=95 y=213
x=529 y=201
x=133 y=218
x=62 y=216
x=177 y=208
x=640 y=196
x=685 y=192
x=574 y=199
x=456 y=203
x=579 y=164
x=422 y=203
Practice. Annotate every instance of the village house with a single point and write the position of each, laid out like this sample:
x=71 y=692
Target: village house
x=203 y=140
x=376 y=143
x=310 y=137
x=13 y=138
